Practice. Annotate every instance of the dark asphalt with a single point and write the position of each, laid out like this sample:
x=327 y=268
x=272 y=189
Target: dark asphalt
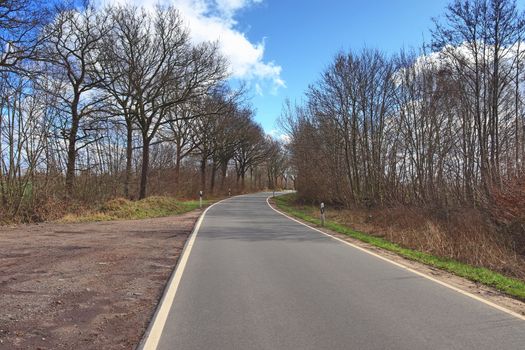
x=257 y=280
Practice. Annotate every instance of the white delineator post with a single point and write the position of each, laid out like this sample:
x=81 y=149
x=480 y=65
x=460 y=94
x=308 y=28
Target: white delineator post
x=322 y=214
x=200 y=199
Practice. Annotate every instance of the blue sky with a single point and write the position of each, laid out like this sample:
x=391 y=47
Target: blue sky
x=303 y=36
x=279 y=47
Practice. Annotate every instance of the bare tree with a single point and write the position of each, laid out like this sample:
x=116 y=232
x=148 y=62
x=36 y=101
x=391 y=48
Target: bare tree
x=21 y=23
x=251 y=151
x=71 y=53
x=164 y=69
x=477 y=40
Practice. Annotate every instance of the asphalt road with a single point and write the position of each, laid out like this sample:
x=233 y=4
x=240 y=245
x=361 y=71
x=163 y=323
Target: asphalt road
x=257 y=280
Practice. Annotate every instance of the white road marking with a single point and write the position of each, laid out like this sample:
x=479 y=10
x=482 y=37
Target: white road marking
x=159 y=319
x=484 y=301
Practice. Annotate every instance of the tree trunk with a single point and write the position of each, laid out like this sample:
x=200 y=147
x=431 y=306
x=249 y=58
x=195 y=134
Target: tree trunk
x=145 y=167
x=203 y=175
x=212 y=181
x=224 y=169
x=129 y=156
x=178 y=160
x=71 y=156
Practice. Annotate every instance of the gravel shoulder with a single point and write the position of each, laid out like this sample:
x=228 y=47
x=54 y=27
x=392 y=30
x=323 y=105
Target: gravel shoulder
x=85 y=286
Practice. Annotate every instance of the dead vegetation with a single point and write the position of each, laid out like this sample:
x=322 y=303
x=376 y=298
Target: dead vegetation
x=465 y=235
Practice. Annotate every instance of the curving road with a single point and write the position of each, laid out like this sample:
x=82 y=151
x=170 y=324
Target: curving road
x=258 y=280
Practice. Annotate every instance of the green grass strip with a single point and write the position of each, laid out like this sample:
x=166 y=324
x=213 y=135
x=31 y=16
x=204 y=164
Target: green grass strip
x=507 y=285
x=123 y=209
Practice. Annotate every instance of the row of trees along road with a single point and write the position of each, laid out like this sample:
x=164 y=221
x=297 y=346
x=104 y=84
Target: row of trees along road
x=104 y=102
x=440 y=128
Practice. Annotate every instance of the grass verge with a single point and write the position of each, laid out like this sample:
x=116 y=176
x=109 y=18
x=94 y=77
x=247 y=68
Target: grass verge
x=507 y=285
x=123 y=209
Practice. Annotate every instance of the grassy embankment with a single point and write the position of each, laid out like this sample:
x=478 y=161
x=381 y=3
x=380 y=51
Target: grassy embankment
x=507 y=285
x=123 y=209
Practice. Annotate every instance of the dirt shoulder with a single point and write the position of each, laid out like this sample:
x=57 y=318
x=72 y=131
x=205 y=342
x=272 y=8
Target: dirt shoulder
x=477 y=289
x=85 y=286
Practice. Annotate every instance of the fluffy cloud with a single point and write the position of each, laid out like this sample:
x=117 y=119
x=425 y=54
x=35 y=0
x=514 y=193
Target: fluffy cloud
x=229 y=7
x=214 y=20
x=280 y=136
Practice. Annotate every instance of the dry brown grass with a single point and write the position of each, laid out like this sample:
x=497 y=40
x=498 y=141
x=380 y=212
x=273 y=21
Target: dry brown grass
x=465 y=235
x=45 y=200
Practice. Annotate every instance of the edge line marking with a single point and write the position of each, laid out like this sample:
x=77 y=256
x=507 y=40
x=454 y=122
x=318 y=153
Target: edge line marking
x=473 y=296
x=154 y=332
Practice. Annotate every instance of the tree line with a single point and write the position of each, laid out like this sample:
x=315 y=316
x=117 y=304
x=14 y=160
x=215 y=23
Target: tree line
x=439 y=127
x=119 y=101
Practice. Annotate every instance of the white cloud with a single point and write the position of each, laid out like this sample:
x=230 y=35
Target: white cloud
x=214 y=20
x=229 y=7
x=280 y=136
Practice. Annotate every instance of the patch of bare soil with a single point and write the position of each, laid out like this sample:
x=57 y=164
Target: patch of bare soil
x=477 y=289
x=85 y=286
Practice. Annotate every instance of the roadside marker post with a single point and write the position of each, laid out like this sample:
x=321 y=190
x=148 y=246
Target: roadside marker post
x=229 y=192
x=200 y=199
x=322 y=214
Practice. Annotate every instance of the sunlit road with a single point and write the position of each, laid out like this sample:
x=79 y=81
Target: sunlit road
x=257 y=280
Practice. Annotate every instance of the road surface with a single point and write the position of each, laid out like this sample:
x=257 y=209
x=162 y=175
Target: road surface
x=258 y=280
